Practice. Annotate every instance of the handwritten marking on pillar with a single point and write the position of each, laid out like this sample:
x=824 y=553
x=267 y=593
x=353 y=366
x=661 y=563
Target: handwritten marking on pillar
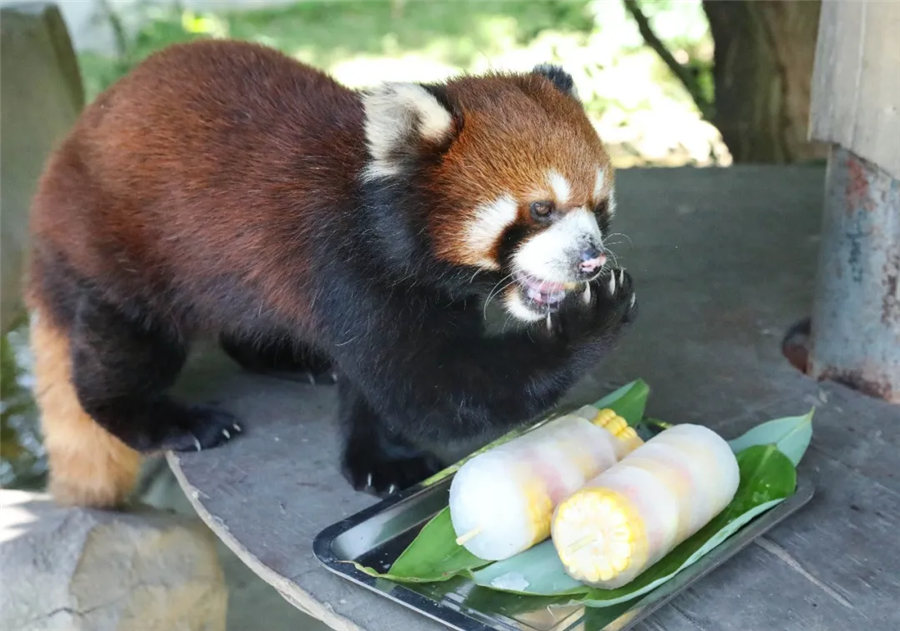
x=855 y=237
x=890 y=308
x=857 y=193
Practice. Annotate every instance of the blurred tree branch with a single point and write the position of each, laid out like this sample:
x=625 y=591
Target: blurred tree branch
x=682 y=72
x=118 y=29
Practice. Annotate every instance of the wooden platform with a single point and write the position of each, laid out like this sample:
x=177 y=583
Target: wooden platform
x=723 y=263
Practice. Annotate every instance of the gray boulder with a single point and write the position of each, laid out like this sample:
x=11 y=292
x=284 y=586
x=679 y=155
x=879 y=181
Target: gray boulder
x=75 y=569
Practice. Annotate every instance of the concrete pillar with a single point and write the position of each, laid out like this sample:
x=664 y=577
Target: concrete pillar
x=856 y=318
x=855 y=332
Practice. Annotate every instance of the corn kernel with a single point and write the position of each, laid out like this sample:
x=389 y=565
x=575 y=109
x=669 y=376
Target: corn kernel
x=616 y=425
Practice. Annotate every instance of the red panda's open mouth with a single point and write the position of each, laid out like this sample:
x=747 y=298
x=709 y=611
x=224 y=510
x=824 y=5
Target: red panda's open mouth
x=542 y=292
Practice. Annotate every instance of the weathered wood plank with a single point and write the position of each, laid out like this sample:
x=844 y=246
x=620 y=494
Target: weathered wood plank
x=723 y=262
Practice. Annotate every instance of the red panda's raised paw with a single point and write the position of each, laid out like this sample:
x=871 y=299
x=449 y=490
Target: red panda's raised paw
x=602 y=309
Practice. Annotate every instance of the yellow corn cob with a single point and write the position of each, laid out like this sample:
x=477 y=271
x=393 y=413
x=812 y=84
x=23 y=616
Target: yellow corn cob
x=634 y=513
x=606 y=532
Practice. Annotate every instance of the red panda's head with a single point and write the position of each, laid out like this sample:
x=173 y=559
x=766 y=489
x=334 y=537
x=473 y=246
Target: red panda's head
x=506 y=175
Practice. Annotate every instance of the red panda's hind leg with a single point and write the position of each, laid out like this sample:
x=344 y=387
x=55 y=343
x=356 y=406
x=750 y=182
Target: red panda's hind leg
x=122 y=366
x=280 y=356
x=88 y=465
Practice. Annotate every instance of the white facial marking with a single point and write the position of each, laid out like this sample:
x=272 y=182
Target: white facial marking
x=516 y=308
x=599 y=182
x=560 y=185
x=552 y=255
x=612 y=202
x=490 y=220
x=394 y=112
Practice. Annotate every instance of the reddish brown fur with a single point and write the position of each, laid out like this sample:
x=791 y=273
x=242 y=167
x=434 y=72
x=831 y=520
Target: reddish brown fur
x=214 y=194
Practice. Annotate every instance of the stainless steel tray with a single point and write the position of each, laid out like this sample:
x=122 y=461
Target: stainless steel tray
x=376 y=536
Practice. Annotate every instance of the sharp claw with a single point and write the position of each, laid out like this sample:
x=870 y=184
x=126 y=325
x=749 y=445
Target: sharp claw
x=549 y=322
x=369 y=480
x=391 y=489
x=586 y=296
x=612 y=283
x=312 y=379
x=237 y=428
x=334 y=377
x=197 y=444
x=621 y=277
x=227 y=434
x=633 y=298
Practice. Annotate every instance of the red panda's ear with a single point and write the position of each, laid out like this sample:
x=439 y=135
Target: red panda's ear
x=400 y=117
x=559 y=77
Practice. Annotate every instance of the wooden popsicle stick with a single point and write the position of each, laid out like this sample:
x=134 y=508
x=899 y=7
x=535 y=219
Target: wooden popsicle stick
x=462 y=539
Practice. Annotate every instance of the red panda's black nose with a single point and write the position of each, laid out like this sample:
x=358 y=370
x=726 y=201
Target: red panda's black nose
x=592 y=259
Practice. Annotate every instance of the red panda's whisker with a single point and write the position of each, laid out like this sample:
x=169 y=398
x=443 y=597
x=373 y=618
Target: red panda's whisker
x=498 y=288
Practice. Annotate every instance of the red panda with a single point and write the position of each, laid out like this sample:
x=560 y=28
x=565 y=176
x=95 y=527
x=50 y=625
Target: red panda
x=223 y=190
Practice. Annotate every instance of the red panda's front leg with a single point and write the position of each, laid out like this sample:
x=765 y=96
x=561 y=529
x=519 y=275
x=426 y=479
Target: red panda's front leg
x=434 y=387
x=374 y=459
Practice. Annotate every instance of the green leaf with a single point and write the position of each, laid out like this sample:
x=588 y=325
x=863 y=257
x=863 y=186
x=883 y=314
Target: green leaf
x=629 y=401
x=433 y=555
x=767 y=478
x=791 y=435
x=536 y=571
x=511 y=605
x=600 y=617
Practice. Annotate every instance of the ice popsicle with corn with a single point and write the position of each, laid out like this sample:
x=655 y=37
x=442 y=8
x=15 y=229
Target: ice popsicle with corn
x=501 y=501
x=635 y=512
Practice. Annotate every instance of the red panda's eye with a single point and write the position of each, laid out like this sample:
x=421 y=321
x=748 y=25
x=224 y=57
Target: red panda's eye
x=541 y=210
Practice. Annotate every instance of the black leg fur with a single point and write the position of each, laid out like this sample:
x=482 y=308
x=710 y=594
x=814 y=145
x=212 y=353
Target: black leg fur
x=121 y=368
x=441 y=380
x=284 y=359
x=373 y=460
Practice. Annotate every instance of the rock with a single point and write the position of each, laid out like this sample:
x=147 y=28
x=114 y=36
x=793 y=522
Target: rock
x=77 y=569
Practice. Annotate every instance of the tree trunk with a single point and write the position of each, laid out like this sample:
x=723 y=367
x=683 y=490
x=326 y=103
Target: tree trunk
x=764 y=53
